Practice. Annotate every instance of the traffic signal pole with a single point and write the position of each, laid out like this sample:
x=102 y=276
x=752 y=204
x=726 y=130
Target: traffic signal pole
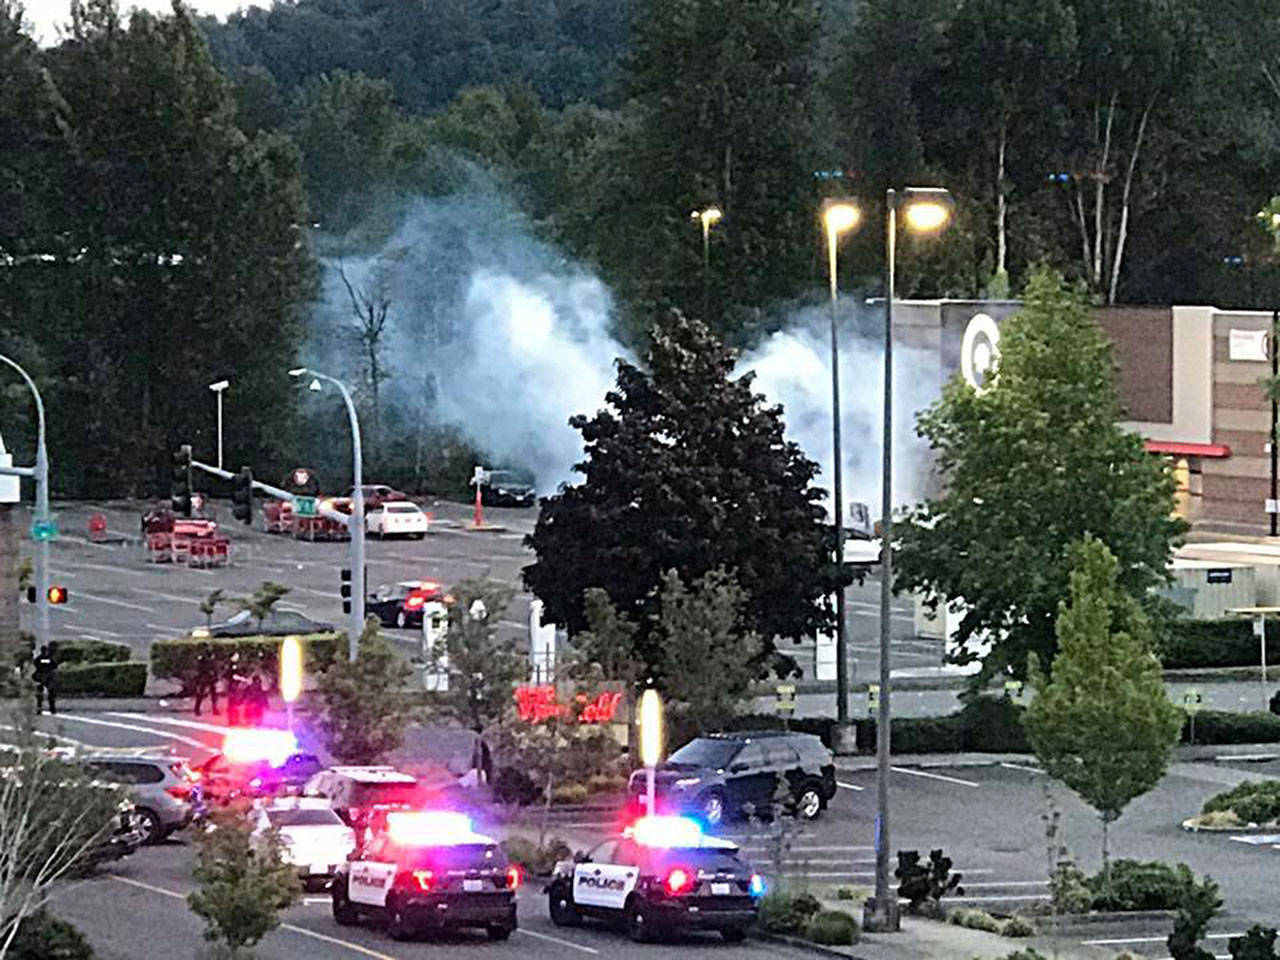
x=41 y=474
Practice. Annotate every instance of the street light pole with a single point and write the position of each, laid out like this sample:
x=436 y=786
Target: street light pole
x=838 y=216
x=41 y=512
x=217 y=388
x=925 y=209
x=356 y=522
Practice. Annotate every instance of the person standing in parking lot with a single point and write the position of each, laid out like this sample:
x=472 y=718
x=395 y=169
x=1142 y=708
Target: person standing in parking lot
x=206 y=681
x=45 y=673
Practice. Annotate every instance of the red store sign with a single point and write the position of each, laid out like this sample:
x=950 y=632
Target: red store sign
x=538 y=703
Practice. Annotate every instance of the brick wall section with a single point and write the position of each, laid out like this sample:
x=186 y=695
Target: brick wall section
x=1142 y=338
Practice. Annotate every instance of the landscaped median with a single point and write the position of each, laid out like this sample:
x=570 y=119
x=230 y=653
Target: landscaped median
x=97 y=668
x=1253 y=805
x=177 y=660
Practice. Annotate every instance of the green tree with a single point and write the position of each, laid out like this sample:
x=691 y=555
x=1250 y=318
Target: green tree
x=686 y=469
x=708 y=653
x=262 y=602
x=360 y=709
x=242 y=888
x=1200 y=903
x=723 y=91
x=1030 y=466
x=1103 y=724
x=210 y=604
x=483 y=666
x=1257 y=943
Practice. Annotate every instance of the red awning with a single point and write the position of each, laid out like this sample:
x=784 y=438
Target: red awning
x=1188 y=449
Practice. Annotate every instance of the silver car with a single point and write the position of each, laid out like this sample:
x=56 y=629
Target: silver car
x=165 y=791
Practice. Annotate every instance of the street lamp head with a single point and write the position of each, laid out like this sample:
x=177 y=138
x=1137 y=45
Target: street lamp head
x=297 y=371
x=840 y=216
x=314 y=386
x=707 y=216
x=219 y=386
x=926 y=209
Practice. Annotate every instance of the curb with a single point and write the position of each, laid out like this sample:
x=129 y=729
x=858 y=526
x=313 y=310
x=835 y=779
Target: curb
x=1190 y=827
x=798 y=943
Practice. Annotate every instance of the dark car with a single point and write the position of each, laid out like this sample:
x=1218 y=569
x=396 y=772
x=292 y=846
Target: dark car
x=277 y=623
x=424 y=871
x=401 y=604
x=662 y=874
x=508 y=488
x=717 y=776
x=224 y=780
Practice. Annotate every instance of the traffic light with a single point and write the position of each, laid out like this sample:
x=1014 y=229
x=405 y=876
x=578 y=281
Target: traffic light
x=242 y=496
x=346 y=590
x=57 y=595
x=180 y=488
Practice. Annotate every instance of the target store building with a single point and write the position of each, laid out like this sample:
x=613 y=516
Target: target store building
x=1189 y=384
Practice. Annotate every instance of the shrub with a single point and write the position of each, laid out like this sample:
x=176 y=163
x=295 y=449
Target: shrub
x=1069 y=889
x=1217 y=726
x=514 y=785
x=42 y=936
x=606 y=783
x=974 y=919
x=925 y=884
x=832 y=927
x=69 y=652
x=176 y=659
x=994 y=725
x=846 y=893
x=784 y=913
x=1141 y=885
x=1027 y=954
x=1220 y=818
x=103 y=680
x=569 y=794
x=1017 y=927
x=1192 y=644
x=1258 y=943
x=1251 y=802
x=537 y=861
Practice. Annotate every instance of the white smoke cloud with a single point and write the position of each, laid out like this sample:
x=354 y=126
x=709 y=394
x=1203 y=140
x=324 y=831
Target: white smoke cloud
x=496 y=333
x=793 y=368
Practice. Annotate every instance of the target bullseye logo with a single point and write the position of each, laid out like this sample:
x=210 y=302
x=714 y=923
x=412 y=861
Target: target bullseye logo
x=979 y=351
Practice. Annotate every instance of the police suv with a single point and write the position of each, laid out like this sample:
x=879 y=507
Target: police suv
x=428 y=870
x=663 y=873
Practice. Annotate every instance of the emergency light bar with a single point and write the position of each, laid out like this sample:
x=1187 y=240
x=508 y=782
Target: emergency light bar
x=431 y=828
x=677 y=833
x=253 y=745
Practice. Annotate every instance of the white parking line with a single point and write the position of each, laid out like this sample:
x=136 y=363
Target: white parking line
x=1118 y=940
x=54 y=736
x=194 y=601
x=848 y=786
x=106 y=568
x=164 y=629
x=81 y=595
x=935 y=776
x=563 y=943
x=165 y=734
x=1019 y=766
x=1017 y=896
x=171 y=722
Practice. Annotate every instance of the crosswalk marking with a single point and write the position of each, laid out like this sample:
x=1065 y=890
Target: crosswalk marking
x=151 y=731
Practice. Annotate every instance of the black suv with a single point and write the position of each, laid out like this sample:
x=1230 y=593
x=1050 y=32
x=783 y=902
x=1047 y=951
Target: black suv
x=717 y=776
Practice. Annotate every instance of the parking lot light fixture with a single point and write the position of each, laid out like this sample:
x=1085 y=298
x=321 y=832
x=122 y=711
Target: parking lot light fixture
x=355 y=522
x=650 y=742
x=838 y=217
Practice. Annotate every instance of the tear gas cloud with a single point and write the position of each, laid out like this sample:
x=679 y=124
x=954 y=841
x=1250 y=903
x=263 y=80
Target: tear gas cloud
x=495 y=333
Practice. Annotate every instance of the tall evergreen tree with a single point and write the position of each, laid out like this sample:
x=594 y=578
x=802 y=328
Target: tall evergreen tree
x=686 y=469
x=1031 y=465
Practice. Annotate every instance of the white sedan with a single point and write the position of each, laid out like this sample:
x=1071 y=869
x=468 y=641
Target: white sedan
x=396 y=518
x=312 y=837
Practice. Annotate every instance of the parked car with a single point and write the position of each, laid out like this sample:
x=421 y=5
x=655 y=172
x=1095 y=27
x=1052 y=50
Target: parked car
x=396 y=518
x=428 y=870
x=401 y=604
x=165 y=791
x=508 y=488
x=312 y=837
x=717 y=776
x=376 y=494
x=662 y=874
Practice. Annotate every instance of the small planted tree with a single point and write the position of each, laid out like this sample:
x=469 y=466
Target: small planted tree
x=242 y=888
x=1102 y=723
x=210 y=604
x=263 y=600
x=360 y=708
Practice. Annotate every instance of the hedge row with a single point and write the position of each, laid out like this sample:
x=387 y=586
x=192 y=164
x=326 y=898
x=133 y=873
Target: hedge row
x=1199 y=644
x=102 y=680
x=994 y=725
x=69 y=652
x=177 y=659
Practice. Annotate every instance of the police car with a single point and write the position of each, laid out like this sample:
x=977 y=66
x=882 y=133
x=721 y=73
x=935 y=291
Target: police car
x=428 y=870
x=663 y=873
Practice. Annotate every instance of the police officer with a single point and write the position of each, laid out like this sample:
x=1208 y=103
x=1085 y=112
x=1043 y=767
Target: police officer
x=206 y=678
x=235 y=691
x=45 y=671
